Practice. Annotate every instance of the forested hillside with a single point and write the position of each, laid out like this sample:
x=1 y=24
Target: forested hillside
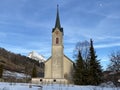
x=18 y=63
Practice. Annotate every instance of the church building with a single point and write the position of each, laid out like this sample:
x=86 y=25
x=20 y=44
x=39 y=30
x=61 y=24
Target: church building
x=58 y=67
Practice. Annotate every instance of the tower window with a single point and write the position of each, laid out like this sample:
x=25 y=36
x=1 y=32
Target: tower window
x=57 y=40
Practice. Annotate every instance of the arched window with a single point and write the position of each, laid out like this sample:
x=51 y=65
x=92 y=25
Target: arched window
x=57 y=40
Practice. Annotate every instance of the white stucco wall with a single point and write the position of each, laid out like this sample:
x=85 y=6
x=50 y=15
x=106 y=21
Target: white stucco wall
x=68 y=68
x=48 y=69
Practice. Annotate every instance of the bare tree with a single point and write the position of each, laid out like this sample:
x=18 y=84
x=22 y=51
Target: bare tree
x=83 y=47
x=114 y=62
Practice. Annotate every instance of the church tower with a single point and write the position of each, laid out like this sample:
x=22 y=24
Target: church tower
x=57 y=49
x=58 y=66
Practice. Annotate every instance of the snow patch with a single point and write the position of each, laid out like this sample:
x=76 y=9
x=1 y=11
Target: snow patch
x=17 y=75
x=36 y=56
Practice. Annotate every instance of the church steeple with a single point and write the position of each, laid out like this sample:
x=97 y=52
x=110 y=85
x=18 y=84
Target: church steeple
x=57 y=23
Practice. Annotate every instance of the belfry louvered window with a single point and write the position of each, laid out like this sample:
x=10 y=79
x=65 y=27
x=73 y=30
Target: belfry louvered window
x=57 y=40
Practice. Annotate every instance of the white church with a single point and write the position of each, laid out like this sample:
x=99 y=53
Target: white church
x=58 y=67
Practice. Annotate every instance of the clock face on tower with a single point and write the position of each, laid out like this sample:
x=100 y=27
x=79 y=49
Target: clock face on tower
x=57 y=32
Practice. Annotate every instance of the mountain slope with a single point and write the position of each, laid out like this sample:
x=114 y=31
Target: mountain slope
x=36 y=56
x=18 y=63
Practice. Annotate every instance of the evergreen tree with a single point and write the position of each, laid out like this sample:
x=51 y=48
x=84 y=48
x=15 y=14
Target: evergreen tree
x=1 y=71
x=79 y=70
x=86 y=73
x=34 y=72
x=95 y=71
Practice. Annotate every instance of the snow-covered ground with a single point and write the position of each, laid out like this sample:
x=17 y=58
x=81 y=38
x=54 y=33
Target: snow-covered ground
x=73 y=87
x=17 y=75
x=17 y=86
x=23 y=86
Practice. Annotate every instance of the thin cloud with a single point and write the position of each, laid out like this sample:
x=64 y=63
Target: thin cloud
x=107 y=45
x=3 y=35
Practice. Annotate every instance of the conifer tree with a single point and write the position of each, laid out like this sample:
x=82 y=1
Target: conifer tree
x=1 y=71
x=79 y=70
x=34 y=72
x=95 y=71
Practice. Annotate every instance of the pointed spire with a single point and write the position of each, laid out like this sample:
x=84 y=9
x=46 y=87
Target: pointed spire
x=57 y=24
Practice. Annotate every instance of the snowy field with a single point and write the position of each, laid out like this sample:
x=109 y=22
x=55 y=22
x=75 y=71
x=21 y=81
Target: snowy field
x=18 y=86
x=22 y=86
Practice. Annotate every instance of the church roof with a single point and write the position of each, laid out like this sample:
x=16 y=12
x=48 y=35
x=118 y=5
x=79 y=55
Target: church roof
x=68 y=58
x=57 y=23
x=64 y=56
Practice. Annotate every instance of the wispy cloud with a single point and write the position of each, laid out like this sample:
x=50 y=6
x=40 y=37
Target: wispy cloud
x=107 y=45
x=3 y=35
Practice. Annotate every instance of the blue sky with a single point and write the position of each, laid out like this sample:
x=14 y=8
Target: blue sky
x=26 y=25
